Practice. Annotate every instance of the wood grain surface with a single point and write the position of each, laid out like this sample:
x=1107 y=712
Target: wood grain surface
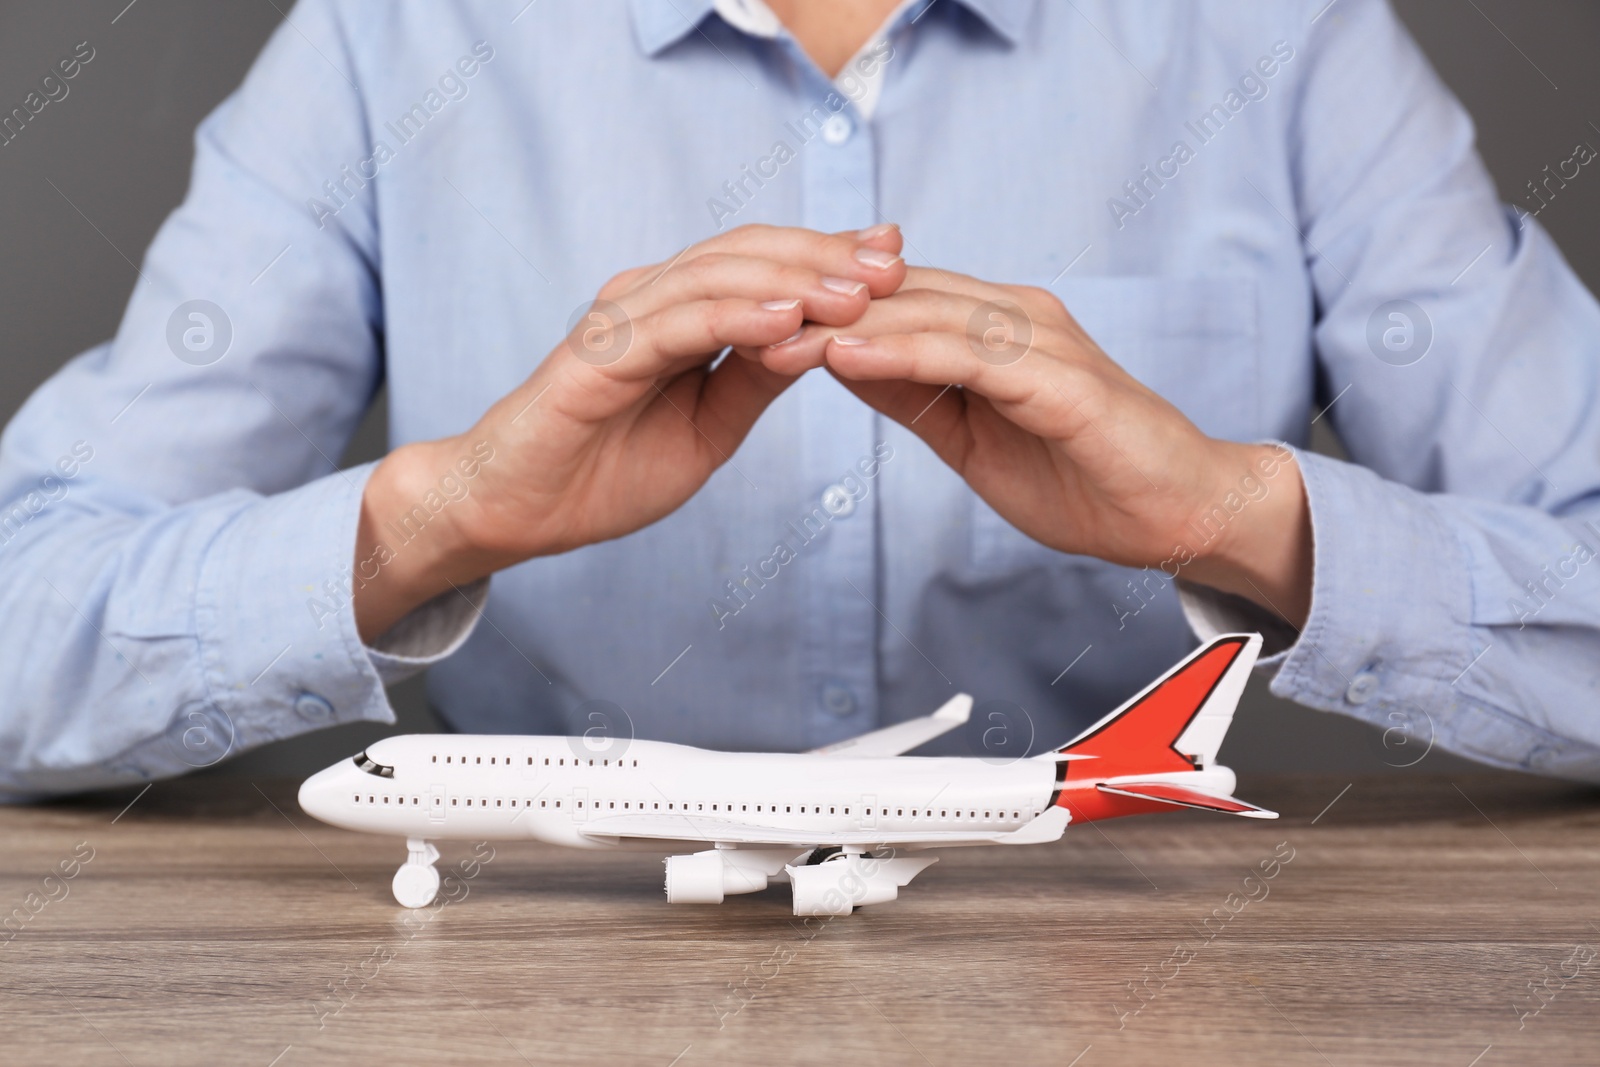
x=1417 y=920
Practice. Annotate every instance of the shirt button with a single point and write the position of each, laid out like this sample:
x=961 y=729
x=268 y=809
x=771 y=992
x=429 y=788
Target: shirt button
x=313 y=708
x=838 y=502
x=837 y=129
x=838 y=699
x=1361 y=688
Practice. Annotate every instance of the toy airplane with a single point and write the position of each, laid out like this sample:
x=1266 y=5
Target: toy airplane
x=836 y=821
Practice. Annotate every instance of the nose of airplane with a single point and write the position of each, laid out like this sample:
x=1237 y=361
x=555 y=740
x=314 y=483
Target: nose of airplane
x=317 y=793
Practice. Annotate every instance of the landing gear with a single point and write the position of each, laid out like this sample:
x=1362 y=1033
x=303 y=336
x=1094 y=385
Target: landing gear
x=416 y=883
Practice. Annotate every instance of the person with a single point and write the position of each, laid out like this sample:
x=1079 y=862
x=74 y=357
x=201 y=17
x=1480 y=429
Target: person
x=639 y=280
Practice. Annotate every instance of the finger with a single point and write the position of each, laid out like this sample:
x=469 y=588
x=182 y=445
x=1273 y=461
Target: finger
x=624 y=281
x=731 y=399
x=682 y=335
x=937 y=358
x=928 y=410
x=604 y=367
x=827 y=298
x=1002 y=328
x=870 y=256
x=940 y=415
x=1047 y=397
x=603 y=371
x=885 y=236
x=803 y=350
x=948 y=281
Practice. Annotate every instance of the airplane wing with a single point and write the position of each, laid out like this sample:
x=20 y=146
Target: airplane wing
x=694 y=828
x=902 y=737
x=1046 y=827
x=1181 y=796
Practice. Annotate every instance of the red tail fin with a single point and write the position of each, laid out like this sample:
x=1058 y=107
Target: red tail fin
x=1141 y=737
x=1175 y=725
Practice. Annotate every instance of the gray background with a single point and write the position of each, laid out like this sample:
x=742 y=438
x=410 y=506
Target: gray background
x=119 y=147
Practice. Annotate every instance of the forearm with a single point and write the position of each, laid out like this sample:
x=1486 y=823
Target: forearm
x=411 y=541
x=1262 y=545
x=144 y=640
x=1460 y=623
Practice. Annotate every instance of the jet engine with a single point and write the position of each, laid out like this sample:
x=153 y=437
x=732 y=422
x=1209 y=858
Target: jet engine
x=847 y=881
x=706 y=877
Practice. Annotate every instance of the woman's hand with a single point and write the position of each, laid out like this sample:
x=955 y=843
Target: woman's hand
x=625 y=419
x=1009 y=390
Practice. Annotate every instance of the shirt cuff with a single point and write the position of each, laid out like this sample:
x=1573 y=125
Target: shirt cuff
x=1390 y=601
x=279 y=651
x=429 y=633
x=1390 y=632
x=1212 y=613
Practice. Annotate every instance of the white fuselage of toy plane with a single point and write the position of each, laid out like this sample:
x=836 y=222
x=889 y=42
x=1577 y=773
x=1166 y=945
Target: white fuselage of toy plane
x=762 y=815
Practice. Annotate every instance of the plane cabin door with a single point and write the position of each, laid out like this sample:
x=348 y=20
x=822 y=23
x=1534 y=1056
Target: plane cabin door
x=869 y=811
x=580 y=804
x=436 y=803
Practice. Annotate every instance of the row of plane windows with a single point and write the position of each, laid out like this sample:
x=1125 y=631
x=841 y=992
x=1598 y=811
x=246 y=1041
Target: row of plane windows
x=628 y=805
x=561 y=762
x=455 y=802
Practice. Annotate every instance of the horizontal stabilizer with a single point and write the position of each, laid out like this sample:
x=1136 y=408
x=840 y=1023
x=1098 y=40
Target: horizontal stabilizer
x=1182 y=796
x=902 y=737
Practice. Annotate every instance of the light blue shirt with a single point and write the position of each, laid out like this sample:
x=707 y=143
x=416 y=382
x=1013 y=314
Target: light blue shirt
x=1230 y=197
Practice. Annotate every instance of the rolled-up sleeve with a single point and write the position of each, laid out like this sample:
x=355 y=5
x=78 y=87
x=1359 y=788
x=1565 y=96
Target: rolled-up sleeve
x=176 y=541
x=1456 y=590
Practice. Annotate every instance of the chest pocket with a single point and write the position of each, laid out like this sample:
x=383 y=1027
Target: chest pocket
x=1195 y=341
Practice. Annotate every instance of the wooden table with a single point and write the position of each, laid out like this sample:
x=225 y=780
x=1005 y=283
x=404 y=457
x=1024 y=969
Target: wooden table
x=212 y=922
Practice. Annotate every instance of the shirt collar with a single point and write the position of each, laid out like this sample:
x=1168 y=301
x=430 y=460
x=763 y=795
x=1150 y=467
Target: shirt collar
x=1007 y=18
x=658 y=24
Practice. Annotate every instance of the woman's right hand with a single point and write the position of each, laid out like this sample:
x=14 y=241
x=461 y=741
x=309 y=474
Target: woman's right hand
x=624 y=420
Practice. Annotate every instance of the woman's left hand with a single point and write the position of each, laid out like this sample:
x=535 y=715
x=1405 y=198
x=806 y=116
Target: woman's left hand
x=1005 y=386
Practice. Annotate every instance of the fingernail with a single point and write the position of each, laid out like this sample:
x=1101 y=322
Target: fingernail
x=781 y=305
x=876 y=231
x=848 y=340
x=843 y=285
x=873 y=257
x=791 y=339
